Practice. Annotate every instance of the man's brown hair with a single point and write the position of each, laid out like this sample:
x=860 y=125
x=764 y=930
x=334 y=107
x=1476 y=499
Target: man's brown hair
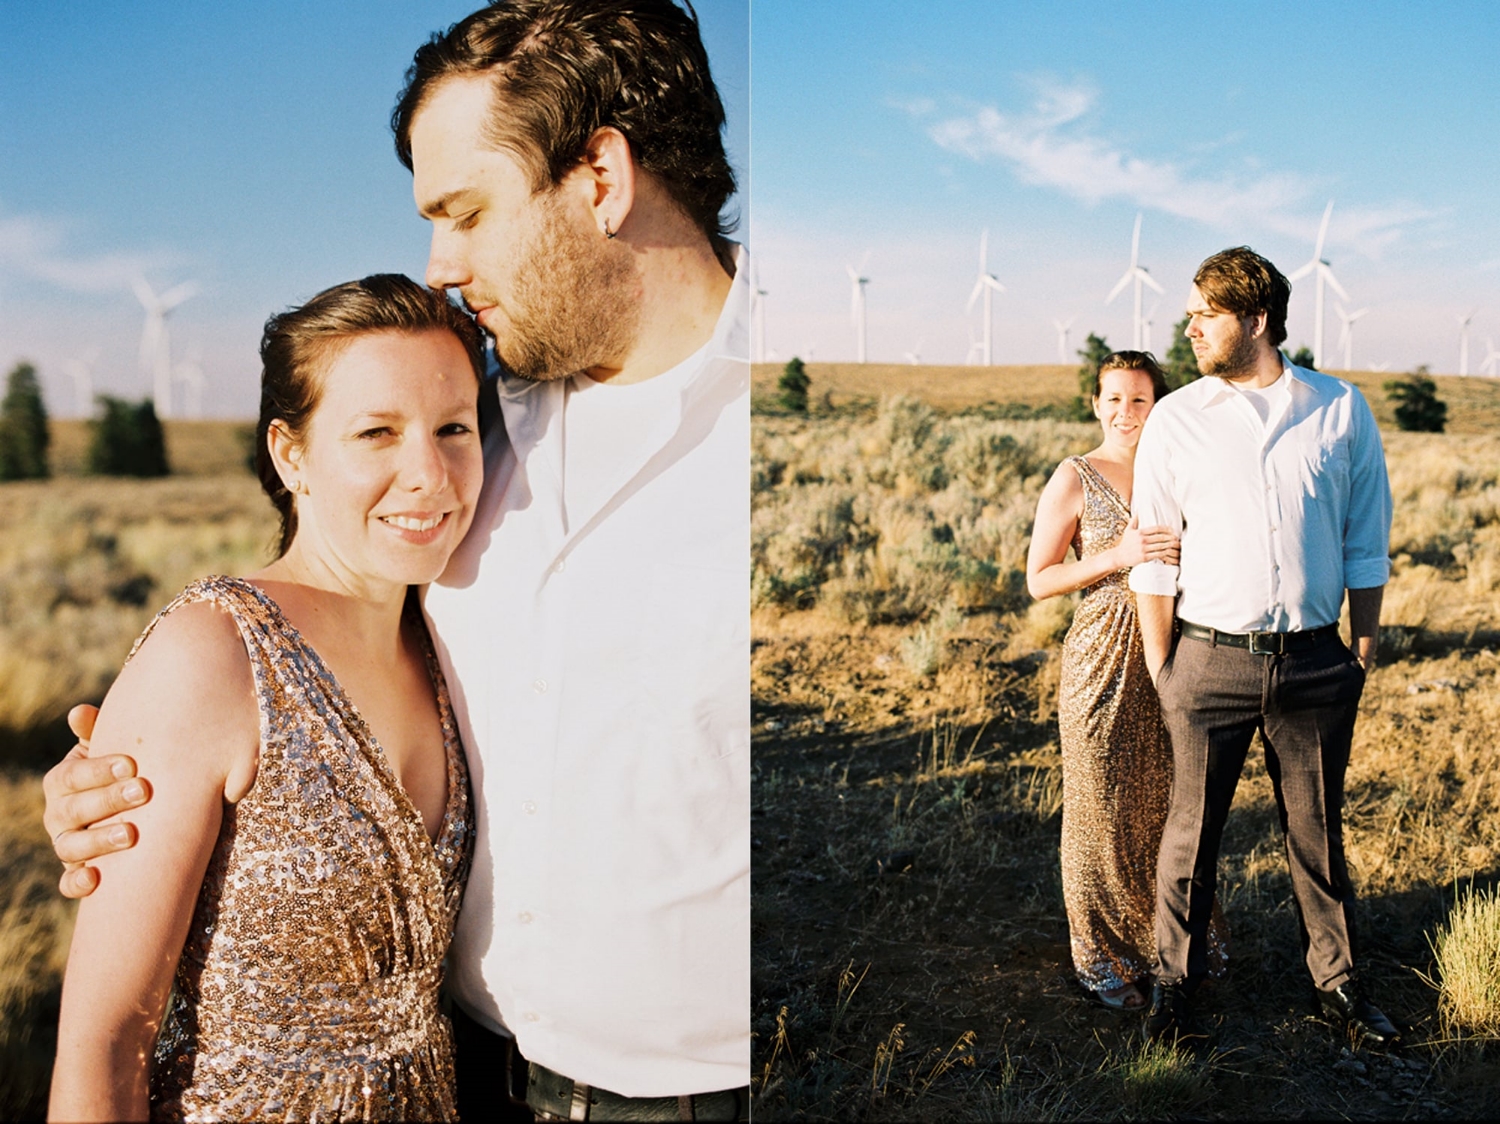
x=1241 y=282
x=563 y=69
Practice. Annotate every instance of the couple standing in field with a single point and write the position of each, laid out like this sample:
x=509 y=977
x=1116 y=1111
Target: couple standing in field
x=1216 y=533
x=501 y=659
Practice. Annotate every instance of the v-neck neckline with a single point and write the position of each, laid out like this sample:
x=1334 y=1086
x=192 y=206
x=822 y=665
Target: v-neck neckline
x=1113 y=491
x=445 y=720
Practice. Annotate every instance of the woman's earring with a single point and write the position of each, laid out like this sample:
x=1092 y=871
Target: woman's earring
x=608 y=233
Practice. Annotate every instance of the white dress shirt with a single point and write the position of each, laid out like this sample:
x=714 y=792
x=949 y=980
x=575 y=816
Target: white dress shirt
x=597 y=646
x=1278 y=516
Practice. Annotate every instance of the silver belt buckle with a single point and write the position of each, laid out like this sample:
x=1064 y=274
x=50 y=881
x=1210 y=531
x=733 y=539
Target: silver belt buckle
x=1265 y=643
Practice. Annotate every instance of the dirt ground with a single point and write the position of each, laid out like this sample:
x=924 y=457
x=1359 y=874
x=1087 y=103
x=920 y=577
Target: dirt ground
x=910 y=956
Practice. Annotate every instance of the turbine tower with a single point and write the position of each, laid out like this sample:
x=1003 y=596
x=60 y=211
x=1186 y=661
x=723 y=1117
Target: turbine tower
x=1137 y=273
x=857 y=283
x=1463 y=340
x=1346 y=334
x=1491 y=358
x=1062 y=327
x=190 y=373
x=1146 y=325
x=1324 y=273
x=758 y=316
x=81 y=370
x=987 y=285
x=156 y=345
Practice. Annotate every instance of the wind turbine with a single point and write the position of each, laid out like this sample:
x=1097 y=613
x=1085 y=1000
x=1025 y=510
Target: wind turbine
x=1381 y=367
x=857 y=283
x=190 y=373
x=987 y=285
x=1491 y=358
x=81 y=370
x=976 y=350
x=1139 y=275
x=1463 y=340
x=1346 y=334
x=914 y=356
x=1324 y=273
x=758 y=315
x=1062 y=327
x=1146 y=325
x=156 y=346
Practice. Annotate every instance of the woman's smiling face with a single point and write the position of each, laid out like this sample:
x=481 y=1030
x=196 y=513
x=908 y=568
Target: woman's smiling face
x=1125 y=398
x=390 y=466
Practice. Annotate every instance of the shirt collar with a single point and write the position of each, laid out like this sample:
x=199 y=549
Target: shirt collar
x=1220 y=391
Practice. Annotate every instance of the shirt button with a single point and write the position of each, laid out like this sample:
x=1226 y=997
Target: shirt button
x=559 y=566
x=539 y=686
x=524 y=917
x=529 y=807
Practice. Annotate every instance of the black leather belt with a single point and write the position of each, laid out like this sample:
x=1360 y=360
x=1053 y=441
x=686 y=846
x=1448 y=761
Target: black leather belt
x=1262 y=643
x=554 y=1097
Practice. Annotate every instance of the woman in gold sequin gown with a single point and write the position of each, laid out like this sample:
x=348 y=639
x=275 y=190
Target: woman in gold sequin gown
x=273 y=946
x=1116 y=758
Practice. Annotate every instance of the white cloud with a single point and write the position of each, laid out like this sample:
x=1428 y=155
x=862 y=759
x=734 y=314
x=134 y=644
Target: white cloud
x=1050 y=145
x=36 y=249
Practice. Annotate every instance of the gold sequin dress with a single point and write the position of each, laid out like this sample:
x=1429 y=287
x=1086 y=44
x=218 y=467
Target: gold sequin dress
x=1117 y=767
x=308 y=986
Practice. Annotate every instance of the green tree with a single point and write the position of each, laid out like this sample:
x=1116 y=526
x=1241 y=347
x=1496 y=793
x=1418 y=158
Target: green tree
x=1181 y=366
x=1303 y=357
x=1418 y=408
x=793 y=385
x=127 y=439
x=1093 y=352
x=23 y=426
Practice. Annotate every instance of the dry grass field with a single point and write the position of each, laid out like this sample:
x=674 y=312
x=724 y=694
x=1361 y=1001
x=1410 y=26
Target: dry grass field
x=1473 y=403
x=910 y=955
x=84 y=563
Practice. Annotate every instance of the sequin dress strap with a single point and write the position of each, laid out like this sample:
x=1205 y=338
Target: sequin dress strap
x=247 y=607
x=1095 y=481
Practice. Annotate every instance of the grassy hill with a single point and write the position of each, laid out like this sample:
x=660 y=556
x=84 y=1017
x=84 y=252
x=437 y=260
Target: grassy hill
x=1473 y=402
x=194 y=448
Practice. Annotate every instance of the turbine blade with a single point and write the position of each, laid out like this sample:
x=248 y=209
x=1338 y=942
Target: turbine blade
x=1304 y=271
x=1120 y=285
x=1148 y=279
x=1323 y=229
x=974 y=296
x=1135 y=241
x=1332 y=280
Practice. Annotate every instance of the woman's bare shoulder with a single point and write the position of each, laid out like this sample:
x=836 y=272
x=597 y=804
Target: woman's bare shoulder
x=186 y=698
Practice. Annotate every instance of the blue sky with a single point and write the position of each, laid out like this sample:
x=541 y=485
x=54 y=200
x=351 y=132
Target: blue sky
x=242 y=146
x=880 y=130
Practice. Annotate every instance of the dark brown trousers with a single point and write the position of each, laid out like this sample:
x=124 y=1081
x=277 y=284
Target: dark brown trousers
x=1214 y=698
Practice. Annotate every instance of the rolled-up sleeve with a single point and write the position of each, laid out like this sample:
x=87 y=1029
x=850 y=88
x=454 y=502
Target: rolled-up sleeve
x=1367 y=524
x=1153 y=504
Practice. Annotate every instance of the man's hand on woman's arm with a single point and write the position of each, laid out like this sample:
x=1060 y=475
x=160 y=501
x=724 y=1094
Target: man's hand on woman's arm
x=82 y=790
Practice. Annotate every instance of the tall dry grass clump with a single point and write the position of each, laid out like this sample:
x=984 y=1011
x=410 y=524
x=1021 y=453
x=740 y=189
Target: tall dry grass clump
x=899 y=517
x=35 y=927
x=1467 y=951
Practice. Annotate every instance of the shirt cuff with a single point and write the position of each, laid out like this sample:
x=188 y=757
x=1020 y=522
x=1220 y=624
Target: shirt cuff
x=1154 y=577
x=1366 y=573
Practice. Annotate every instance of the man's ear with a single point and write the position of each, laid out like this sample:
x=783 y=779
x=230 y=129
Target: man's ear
x=1258 y=325
x=286 y=455
x=607 y=176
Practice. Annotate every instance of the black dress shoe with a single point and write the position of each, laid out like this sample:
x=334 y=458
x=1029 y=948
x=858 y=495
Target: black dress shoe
x=1170 y=1017
x=1348 y=1009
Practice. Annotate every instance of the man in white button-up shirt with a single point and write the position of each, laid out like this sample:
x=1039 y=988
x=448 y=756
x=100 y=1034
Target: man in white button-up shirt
x=594 y=626
x=1276 y=478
